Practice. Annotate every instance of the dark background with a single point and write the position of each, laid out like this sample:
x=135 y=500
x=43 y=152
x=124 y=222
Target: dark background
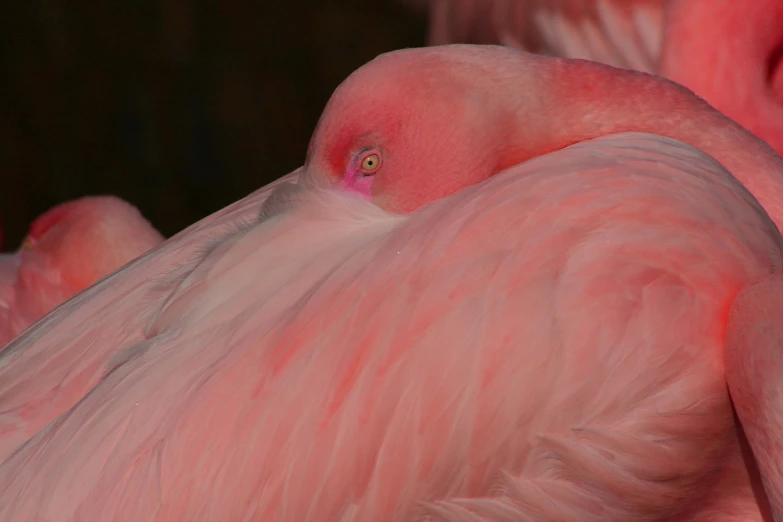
x=178 y=106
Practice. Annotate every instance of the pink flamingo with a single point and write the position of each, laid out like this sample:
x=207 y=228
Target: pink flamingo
x=67 y=249
x=496 y=291
x=726 y=51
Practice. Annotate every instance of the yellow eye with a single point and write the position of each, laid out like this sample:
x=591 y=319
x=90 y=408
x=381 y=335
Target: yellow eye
x=371 y=163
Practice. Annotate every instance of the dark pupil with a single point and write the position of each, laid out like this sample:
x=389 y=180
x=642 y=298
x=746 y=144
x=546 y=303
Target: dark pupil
x=370 y=162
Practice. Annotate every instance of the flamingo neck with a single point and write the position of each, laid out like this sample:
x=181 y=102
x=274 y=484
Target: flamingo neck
x=585 y=100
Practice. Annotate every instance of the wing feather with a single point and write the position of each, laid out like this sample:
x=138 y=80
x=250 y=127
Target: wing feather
x=542 y=346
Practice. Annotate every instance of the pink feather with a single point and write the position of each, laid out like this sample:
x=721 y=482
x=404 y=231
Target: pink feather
x=336 y=362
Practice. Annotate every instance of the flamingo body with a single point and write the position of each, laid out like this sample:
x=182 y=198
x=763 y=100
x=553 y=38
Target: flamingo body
x=542 y=340
x=67 y=249
x=414 y=393
x=753 y=368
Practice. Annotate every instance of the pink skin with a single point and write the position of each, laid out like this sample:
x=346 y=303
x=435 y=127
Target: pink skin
x=525 y=322
x=726 y=51
x=67 y=249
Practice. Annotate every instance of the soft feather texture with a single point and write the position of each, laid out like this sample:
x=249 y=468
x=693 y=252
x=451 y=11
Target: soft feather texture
x=67 y=249
x=731 y=53
x=727 y=51
x=445 y=118
x=754 y=366
x=118 y=306
x=542 y=346
x=622 y=33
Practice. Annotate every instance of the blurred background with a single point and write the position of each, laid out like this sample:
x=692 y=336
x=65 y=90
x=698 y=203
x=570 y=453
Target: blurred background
x=178 y=106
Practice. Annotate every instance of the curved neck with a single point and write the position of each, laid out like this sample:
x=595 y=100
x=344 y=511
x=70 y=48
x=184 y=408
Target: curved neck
x=582 y=100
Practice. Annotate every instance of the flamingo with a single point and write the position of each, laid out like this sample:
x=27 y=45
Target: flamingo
x=726 y=51
x=497 y=290
x=67 y=249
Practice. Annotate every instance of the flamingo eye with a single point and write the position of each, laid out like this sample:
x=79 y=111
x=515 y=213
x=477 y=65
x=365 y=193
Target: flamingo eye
x=370 y=164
